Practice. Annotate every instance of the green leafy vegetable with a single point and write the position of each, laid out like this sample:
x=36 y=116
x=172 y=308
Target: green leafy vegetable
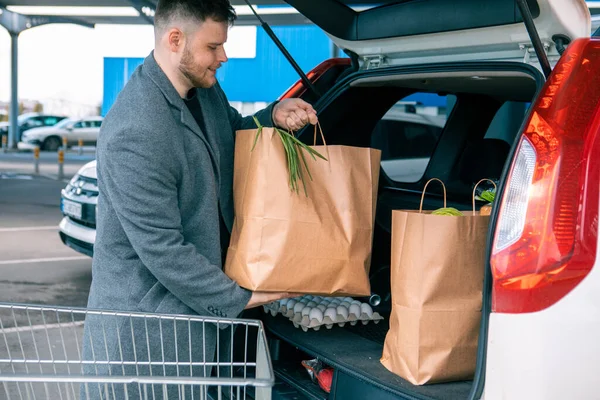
x=294 y=152
x=448 y=211
x=488 y=195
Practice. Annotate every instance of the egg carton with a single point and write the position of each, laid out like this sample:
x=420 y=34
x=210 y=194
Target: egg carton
x=313 y=312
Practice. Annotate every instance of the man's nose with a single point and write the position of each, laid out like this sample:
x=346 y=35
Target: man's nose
x=223 y=55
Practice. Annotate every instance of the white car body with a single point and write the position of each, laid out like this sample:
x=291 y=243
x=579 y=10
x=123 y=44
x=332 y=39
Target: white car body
x=549 y=354
x=73 y=130
x=499 y=43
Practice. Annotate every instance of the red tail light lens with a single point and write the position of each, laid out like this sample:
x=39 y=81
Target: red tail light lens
x=298 y=88
x=546 y=236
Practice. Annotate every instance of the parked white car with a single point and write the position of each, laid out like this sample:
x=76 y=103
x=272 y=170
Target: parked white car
x=50 y=138
x=78 y=204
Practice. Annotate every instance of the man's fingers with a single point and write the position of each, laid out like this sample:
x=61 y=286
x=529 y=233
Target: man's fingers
x=300 y=118
x=294 y=114
x=302 y=115
x=294 y=122
x=290 y=123
x=306 y=106
x=307 y=113
x=286 y=295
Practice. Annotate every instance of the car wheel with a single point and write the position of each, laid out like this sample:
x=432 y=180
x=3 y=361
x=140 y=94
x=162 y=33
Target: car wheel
x=51 y=144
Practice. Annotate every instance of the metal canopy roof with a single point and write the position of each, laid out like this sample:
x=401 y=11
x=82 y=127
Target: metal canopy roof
x=271 y=18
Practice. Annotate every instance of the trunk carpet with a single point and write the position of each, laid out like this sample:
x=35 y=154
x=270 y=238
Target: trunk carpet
x=359 y=349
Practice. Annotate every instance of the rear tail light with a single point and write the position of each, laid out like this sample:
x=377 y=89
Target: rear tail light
x=546 y=236
x=511 y=225
x=298 y=88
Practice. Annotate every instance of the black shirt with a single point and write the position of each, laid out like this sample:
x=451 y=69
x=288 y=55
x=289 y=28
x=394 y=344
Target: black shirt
x=193 y=104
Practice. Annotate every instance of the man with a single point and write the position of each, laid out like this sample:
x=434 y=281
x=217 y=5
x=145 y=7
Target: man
x=165 y=175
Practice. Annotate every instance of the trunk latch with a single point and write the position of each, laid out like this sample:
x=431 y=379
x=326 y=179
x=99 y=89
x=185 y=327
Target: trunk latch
x=374 y=61
x=528 y=50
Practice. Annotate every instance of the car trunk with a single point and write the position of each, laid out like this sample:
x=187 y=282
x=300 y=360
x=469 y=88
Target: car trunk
x=489 y=102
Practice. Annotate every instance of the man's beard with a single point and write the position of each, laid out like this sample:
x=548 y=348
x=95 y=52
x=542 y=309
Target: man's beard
x=186 y=67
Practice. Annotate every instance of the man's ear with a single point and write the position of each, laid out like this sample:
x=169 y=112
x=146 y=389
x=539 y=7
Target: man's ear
x=176 y=40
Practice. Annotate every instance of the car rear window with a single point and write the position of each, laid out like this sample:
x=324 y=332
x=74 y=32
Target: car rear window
x=408 y=134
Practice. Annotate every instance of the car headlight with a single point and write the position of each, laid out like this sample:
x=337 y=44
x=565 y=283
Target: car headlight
x=71 y=183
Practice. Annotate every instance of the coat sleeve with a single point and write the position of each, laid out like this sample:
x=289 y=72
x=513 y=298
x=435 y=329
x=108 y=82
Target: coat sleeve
x=264 y=116
x=238 y=122
x=143 y=191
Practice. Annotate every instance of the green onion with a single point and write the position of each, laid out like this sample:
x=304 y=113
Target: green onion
x=294 y=152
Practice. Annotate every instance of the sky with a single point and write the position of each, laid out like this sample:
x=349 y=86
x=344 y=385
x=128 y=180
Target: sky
x=65 y=61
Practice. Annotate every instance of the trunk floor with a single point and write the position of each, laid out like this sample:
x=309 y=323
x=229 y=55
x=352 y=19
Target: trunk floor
x=358 y=349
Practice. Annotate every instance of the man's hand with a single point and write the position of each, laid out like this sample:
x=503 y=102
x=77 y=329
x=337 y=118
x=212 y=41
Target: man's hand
x=261 y=298
x=294 y=114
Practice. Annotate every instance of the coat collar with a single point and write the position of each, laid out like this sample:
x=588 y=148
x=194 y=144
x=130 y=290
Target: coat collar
x=158 y=76
x=160 y=79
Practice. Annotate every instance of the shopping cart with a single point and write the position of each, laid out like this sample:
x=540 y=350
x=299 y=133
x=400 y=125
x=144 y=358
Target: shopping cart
x=156 y=356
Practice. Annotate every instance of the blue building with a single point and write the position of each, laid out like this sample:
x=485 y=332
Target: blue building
x=261 y=79
x=251 y=83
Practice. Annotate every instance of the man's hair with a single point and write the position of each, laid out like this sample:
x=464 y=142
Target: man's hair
x=169 y=11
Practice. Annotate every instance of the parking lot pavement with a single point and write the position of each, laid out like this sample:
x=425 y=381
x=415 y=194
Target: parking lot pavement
x=35 y=266
x=21 y=163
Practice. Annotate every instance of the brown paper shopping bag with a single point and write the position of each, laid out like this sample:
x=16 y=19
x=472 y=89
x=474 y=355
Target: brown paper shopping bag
x=318 y=242
x=437 y=269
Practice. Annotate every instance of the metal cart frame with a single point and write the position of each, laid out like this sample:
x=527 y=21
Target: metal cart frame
x=41 y=356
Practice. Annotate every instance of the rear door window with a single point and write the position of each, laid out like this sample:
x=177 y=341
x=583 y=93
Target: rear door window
x=34 y=122
x=408 y=134
x=50 y=121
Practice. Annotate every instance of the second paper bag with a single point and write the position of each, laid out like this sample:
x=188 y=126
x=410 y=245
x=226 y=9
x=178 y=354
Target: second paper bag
x=315 y=242
x=437 y=267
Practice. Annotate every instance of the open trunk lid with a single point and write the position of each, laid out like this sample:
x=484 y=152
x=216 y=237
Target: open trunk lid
x=431 y=31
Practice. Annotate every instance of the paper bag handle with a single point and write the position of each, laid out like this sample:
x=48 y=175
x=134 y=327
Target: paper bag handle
x=425 y=188
x=475 y=188
x=322 y=136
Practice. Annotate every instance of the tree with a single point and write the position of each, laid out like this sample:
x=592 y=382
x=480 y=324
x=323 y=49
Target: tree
x=21 y=108
x=38 y=108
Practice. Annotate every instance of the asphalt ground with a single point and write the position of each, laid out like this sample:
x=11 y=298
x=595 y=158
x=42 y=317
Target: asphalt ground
x=35 y=266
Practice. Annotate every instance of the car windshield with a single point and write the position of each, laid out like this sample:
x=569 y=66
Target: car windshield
x=23 y=117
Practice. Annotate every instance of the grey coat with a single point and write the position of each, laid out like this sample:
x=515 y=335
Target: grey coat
x=163 y=182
